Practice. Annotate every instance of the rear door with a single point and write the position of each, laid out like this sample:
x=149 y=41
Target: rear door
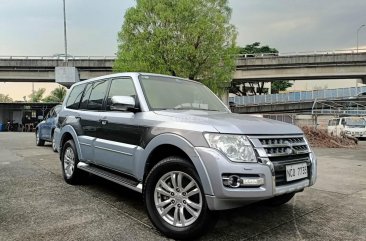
x=89 y=117
x=120 y=135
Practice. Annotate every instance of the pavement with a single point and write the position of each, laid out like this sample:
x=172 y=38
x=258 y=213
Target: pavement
x=36 y=204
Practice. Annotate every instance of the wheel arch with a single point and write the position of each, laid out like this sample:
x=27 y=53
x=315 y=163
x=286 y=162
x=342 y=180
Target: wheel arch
x=171 y=145
x=68 y=133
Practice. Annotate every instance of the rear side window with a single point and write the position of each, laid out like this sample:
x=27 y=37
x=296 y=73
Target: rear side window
x=74 y=97
x=84 y=102
x=97 y=95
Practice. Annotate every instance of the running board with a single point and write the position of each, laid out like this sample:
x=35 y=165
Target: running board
x=124 y=181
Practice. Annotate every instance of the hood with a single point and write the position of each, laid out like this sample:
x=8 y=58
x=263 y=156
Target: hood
x=232 y=123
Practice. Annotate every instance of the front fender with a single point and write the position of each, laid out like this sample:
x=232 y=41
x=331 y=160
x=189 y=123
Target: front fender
x=180 y=142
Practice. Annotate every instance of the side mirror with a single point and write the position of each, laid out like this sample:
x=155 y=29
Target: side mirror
x=122 y=103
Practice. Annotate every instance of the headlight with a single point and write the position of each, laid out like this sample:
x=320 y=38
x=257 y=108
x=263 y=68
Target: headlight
x=236 y=147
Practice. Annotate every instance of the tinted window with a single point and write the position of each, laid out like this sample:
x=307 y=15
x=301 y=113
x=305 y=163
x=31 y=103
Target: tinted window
x=121 y=87
x=84 y=102
x=97 y=95
x=74 y=97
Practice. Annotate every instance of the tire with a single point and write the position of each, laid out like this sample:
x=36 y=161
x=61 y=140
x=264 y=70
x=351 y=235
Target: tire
x=54 y=147
x=279 y=200
x=39 y=141
x=186 y=197
x=69 y=160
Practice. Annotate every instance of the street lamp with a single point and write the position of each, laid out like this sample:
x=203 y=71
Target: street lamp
x=358 y=30
x=65 y=31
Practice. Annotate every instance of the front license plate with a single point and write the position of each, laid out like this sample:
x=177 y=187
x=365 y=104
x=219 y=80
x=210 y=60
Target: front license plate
x=296 y=171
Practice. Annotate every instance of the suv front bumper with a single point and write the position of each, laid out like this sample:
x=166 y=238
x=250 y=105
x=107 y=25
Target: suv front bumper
x=217 y=166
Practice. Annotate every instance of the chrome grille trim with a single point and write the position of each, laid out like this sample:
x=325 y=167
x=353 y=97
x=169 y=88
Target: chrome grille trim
x=272 y=146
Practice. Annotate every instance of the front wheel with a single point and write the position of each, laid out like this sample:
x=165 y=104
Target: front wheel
x=175 y=200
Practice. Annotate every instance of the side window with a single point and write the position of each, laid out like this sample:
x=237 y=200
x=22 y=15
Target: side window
x=121 y=87
x=84 y=101
x=97 y=95
x=74 y=97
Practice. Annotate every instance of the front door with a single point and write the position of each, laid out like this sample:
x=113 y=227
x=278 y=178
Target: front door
x=119 y=137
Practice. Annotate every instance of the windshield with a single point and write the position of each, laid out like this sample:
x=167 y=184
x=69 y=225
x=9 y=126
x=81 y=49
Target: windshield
x=356 y=122
x=169 y=93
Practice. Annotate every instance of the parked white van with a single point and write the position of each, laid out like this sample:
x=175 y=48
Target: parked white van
x=349 y=126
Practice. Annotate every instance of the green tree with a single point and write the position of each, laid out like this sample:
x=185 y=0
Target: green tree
x=57 y=95
x=256 y=48
x=276 y=86
x=37 y=95
x=186 y=38
x=280 y=85
x=5 y=98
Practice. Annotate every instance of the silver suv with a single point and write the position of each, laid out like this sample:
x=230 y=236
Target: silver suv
x=175 y=142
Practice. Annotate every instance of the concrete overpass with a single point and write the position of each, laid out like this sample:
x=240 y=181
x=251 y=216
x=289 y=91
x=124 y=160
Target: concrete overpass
x=250 y=69
x=301 y=67
x=42 y=69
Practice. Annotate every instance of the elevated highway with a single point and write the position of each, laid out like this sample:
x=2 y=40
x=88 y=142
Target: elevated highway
x=301 y=67
x=249 y=69
x=42 y=68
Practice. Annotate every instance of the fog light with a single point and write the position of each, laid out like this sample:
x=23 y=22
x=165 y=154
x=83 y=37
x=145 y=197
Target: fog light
x=236 y=181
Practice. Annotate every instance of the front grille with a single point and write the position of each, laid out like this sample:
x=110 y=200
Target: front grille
x=283 y=146
x=282 y=151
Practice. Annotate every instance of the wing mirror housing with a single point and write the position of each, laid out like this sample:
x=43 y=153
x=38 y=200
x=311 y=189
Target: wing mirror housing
x=123 y=103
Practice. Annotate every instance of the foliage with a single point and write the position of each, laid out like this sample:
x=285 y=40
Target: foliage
x=5 y=98
x=186 y=38
x=255 y=48
x=57 y=95
x=280 y=85
x=37 y=95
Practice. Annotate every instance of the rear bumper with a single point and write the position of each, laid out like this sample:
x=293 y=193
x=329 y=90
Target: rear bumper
x=224 y=197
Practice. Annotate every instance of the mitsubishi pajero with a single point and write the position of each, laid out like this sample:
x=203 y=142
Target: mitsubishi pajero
x=175 y=142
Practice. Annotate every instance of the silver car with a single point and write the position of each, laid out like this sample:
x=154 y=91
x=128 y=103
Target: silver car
x=174 y=141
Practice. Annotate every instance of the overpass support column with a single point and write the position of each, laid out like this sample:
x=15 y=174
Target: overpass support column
x=66 y=76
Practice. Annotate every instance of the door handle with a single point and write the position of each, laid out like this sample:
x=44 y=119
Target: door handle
x=104 y=122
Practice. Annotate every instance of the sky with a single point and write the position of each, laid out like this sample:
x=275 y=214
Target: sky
x=35 y=27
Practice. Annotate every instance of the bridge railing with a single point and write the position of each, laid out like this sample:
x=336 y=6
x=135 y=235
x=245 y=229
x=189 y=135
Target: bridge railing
x=58 y=57
x=302 y=96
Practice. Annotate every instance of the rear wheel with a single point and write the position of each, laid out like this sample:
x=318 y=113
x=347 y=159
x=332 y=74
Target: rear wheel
x=39 y=141
x=175 y=200
x=69 y=161
x=54 y=147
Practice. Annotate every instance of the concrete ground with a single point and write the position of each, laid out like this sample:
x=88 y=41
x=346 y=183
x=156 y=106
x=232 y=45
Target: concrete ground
x=36 y=204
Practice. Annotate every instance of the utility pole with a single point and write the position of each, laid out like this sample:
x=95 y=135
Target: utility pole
x=65 y=37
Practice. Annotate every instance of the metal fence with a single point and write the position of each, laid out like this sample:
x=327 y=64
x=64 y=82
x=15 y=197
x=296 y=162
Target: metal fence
x=303 y=96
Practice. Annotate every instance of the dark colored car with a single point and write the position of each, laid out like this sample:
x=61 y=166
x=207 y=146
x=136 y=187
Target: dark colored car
x=45 y=129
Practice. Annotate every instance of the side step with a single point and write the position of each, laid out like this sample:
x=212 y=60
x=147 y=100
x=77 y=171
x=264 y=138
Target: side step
x=124 y=181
